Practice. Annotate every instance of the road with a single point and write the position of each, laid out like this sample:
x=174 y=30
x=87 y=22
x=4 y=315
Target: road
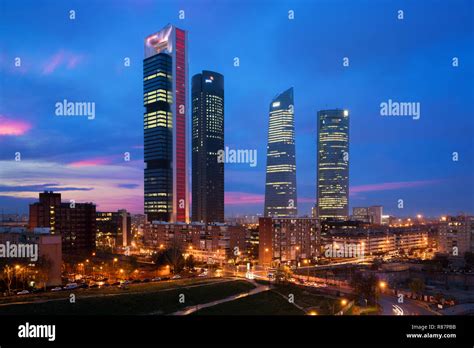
x=408 y=307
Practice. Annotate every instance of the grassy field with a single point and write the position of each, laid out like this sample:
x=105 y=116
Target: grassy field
x=264 y=303
x=139 y=299
x=309 y=298
x=94 y=292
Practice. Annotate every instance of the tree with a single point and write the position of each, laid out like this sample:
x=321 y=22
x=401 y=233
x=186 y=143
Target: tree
x=365 y=287
x=417 y=286
x=469 y=259
x=442 y=261
x=171 y=256
x=43 y=265
x=8 y=272
x=282 y=274
x=189 y=262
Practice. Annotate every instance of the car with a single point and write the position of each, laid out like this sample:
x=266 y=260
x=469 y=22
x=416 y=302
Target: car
x=136 y=281
x=71 y=286
x=23 y=292
x=156 y=279
x=58 y=288
x=204 y=274
x=176 y=276
x=146 y=280
x=93 y=286
x=125 y=282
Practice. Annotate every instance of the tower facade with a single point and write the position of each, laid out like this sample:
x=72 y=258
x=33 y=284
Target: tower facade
x=280 y=183
x=333 y=164
x=165 y=91
x=207 y=140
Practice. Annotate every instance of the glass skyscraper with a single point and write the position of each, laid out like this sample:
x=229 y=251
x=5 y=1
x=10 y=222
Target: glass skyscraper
x=333 y=164
x=165 y=73
x=280 y=183
x=207 y=139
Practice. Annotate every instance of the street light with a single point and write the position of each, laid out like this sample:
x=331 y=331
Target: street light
x=343 y=302
x=305 y=261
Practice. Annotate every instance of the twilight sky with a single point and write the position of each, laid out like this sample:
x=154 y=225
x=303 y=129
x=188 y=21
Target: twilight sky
x=391 y=157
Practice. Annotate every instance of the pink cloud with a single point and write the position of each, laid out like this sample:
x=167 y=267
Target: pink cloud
x=70 y=60
x=91 y=162
x=240 y=198
x=390 y=186
x=243 y=198
x=53 y=63
x=74 y=61
x=13 y=127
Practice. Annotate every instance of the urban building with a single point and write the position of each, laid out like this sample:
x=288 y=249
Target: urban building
x=207 y=140
x=198 y=238
x=49 y=249
x=370 y=215
x=314 y=212
x=114 y=230
x=333 y=164
x=165 y=93
x=74 y=222
x=456 y=235
x=287 y=240
x=280 y=183
x=370 y=241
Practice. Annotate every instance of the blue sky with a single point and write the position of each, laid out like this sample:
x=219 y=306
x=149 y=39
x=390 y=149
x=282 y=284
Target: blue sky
x=391 y=158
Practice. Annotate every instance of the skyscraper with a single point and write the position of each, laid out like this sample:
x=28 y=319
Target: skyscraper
x=207 y=139
x=165 y=72
x=333 y=164
x=280 y=184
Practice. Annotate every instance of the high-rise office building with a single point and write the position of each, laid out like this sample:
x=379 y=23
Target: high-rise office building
x=207 y=140
x=333 y=164
x=165 y=72
x=280 y=184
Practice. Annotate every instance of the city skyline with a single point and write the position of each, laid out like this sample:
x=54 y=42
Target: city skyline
x=389 y=159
